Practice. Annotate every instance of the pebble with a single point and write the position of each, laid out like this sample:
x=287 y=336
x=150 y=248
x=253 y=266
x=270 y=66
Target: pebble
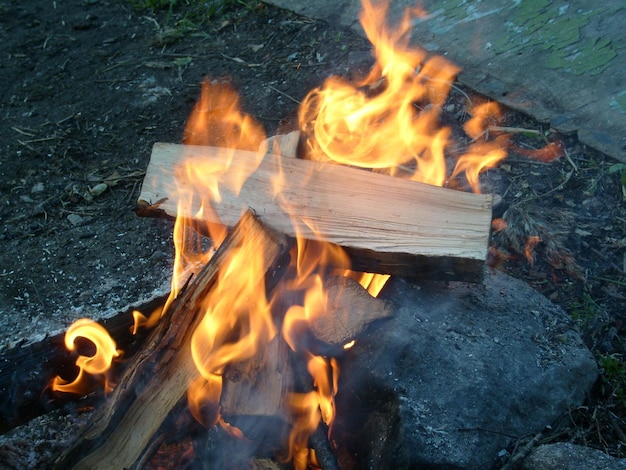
x=37 y=188
x=74 y=219
x=99 y=189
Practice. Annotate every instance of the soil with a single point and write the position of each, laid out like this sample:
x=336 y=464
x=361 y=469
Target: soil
x=91 y=85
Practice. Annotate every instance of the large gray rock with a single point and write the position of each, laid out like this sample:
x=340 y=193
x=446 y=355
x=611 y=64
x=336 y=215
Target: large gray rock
x=566 y=456
x=457 y=375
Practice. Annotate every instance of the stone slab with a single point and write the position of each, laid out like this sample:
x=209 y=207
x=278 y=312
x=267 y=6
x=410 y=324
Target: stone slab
x=568 y=456
x=562 y=62
x=457 y=375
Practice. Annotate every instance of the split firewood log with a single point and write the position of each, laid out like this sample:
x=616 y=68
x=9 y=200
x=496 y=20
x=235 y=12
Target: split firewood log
x=157 y=377
x=388 y=225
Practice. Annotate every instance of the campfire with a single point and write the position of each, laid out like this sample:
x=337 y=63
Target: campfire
x=282 y=248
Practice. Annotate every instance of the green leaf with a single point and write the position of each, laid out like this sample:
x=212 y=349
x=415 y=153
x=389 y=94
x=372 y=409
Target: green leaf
x=617 y=167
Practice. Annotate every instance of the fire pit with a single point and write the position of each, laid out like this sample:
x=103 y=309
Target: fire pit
x=246 y=333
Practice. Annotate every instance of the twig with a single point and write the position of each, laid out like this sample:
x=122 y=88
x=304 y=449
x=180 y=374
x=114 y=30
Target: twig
x=452 y=85
x=618 y=430
x=136 y=184
x=29 y=147
x=114 y=66
x=467 y=97
x=300 y=65
x=569 y=159
x=149 y=18
x=539 y=196
x=42 y=139
x=601 y=438
x=522 y=453
x=284 y=94
x=23 y=132
x=64 y=120
x=240 y=61
x=516 y=130
x=82 y=214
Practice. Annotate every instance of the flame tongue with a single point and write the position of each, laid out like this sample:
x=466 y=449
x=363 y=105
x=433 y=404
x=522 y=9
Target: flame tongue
x=390 y=120
x=98 y=364
x=237 y=324
x=216 y=121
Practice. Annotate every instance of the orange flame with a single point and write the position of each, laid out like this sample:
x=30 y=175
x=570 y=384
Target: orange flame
x=141 y=321
x=373 y=283
x=98 y=364
x=390 y=120
x=215 y=121
x=546 y=154
x=306 y=412
x=499 y=224
x=312 y=263
x=483 y=115
x=529 y=250
x=218 y=121
x=237 y=324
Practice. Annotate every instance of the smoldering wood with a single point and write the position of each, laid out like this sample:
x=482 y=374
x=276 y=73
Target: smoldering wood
x=158 y=376
x=324 y=452
x=29 y=366
x=387 y=224
x=257 y=389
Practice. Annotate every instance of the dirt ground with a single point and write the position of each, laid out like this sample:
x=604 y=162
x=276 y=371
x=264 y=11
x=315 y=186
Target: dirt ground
x=90 y=85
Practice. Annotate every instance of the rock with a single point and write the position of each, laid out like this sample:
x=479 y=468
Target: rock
x=75 y=219
x=566 y=456
x=98 y=189
x=37 y=188
x=458 y=373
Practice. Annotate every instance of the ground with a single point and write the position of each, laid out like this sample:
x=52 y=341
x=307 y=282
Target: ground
x=90 y=86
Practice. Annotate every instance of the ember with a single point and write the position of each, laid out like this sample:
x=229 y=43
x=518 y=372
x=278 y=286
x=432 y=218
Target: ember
x=387 y=122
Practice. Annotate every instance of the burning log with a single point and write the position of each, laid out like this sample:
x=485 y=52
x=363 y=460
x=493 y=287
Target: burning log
x=258 y=386
x=159 y=375
x=29 y=367
x=387 y=224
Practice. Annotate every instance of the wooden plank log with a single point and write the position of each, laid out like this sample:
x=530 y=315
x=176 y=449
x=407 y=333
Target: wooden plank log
x=387 y=225
x=159 y=375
